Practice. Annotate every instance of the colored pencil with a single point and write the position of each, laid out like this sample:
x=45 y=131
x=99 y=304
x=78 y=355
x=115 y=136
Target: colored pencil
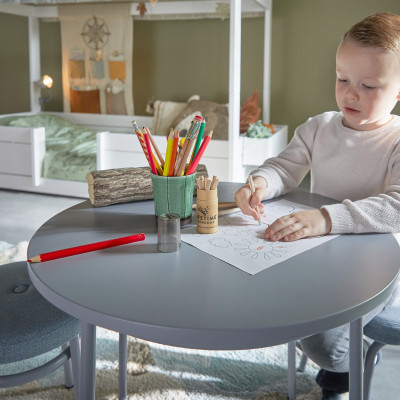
x=72 y=251
x=253 y=189
x=174 y=154
x=150 y=153
x=153 y=142
x=185 y=156
x=199 y=154
x=191 y=134
x=168 y=155
x=198 y=140
x=139 y=135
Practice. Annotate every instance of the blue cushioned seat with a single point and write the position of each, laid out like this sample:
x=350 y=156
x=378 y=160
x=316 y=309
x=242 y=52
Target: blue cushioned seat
x=383 y=329
x=31 y=326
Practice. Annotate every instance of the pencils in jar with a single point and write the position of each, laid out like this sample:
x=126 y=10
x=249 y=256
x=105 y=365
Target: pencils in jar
x=178 y=150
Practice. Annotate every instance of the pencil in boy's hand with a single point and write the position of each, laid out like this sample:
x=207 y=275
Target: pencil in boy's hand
x=72 y=251
x=253 y=189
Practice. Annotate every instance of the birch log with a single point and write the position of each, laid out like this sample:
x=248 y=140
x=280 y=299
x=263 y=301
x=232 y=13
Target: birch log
x=122 y=185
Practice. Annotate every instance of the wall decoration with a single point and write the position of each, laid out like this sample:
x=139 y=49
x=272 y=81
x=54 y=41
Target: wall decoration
x=97 y=46
x=95 y=33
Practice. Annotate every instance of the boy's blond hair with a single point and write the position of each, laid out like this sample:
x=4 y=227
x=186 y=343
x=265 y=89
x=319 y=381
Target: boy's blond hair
x=378 y=30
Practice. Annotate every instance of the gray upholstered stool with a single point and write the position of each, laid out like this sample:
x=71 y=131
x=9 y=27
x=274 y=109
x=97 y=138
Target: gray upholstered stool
x=383 y=329
x=31 y=326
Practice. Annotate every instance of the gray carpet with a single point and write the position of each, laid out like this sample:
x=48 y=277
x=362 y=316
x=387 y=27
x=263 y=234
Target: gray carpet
x=21 y=214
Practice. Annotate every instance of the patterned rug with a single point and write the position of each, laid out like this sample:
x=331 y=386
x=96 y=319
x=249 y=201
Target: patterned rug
x=160 y=372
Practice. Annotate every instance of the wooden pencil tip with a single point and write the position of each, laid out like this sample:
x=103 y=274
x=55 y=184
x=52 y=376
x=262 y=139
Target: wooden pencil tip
x=35 y=259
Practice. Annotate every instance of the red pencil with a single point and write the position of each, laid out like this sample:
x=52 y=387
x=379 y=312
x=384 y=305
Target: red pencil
x=72 y=251
x=151 y=160
x=196 y=159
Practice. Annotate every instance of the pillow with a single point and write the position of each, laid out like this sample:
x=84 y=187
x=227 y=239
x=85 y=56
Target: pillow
x=165 y=113
x=216 y=116
x=249 y=112
x=184 y=124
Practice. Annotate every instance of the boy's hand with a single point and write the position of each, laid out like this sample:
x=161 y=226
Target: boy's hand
x=299 y=225
x=248 y=202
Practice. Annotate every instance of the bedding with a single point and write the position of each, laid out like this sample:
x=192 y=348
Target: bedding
x=70 y=149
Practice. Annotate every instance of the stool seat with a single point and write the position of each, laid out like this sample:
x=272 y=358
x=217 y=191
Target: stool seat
x=31 y=326
x=385 y=327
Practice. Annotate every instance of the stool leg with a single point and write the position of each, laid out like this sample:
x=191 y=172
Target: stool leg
x=123 y=359
x=292 y=370
x=369 y=367
x=75 y=350
x=303 y=363
x=68 y=379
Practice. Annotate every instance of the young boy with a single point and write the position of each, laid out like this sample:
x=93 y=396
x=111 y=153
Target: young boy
x=354 y=157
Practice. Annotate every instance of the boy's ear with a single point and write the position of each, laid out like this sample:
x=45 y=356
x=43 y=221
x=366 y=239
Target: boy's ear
x=398 y=96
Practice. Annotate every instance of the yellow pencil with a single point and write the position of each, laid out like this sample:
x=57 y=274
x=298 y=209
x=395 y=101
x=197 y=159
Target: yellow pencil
x=168 y=155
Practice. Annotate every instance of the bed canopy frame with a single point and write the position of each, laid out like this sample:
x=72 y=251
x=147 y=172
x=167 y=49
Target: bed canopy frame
x=36 y=9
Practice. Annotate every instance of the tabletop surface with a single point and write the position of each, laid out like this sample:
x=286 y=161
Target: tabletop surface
x=192 y=299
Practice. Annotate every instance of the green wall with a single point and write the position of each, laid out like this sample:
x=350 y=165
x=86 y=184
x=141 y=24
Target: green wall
x=174 y=59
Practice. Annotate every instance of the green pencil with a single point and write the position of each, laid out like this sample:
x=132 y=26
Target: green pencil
x=198 y=140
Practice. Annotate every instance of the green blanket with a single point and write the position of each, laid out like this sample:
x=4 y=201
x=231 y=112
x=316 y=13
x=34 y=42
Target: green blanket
x=70 y=149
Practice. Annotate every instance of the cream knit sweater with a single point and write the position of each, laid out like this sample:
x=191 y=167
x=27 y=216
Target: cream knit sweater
x=360 y=169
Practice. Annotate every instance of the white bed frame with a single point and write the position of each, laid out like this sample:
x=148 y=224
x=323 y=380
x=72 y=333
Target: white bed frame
x=22 y=149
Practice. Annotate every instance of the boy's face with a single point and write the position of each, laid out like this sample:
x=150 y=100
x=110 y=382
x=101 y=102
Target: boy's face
x=367 y=85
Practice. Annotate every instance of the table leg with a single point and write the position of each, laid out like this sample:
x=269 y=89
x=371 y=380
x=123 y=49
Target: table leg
x=88 y=361
x=356 y=360
x=292 y=370
x=123 y=359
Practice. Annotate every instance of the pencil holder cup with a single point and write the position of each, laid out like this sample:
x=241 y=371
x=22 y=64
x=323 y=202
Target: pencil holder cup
x=207 y=211
x=174 y=195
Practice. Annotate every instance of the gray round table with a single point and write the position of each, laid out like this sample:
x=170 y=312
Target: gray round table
x=191 y=299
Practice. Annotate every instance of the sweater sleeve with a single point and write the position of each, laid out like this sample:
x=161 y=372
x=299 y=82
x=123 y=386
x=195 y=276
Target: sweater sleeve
x=284 y=172
x=380 y=213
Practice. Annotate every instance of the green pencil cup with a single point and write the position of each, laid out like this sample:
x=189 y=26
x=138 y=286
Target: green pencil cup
x=174 y=195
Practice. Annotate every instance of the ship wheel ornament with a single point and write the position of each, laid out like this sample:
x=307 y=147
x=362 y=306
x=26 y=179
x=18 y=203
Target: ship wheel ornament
x=95 y=33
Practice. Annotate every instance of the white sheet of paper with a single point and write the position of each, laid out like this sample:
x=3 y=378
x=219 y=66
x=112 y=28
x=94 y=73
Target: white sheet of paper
x=239 y=240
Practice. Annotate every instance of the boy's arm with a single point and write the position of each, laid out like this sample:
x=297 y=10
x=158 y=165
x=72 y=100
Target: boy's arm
x=380 y=213
x=284 y=172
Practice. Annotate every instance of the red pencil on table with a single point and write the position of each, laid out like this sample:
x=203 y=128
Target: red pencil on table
x=72 y=251
x=196 y=159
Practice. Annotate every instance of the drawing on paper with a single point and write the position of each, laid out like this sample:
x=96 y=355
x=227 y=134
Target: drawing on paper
x=240 y=239
x=256 y=248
